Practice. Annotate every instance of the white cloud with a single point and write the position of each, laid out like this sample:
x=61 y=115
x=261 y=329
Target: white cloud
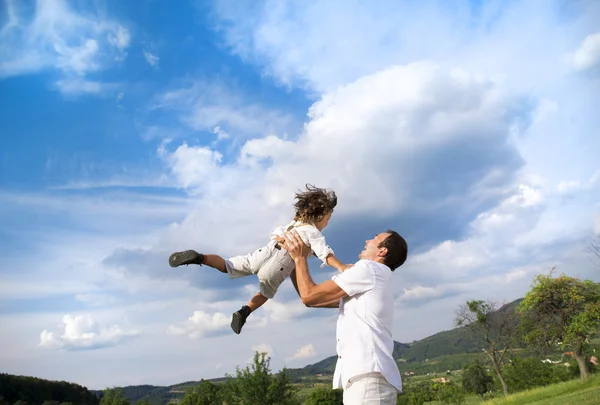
x=77 y=86
x=151 y=58
x=121 y=38
x=263 y=348
x=58 y=37
x=200 y=324
x=82 y=332
x=203 y=105
x=305 y=352
x=587 y=54
x=95 y=300
x=194 y=167
x=414 y=115
x=568 y=186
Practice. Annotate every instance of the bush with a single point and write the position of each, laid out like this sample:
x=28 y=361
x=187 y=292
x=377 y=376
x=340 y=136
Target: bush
x=524 y=374
x=325 y=396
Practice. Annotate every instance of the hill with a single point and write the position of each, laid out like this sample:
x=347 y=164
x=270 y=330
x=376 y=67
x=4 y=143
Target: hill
x=37 y=391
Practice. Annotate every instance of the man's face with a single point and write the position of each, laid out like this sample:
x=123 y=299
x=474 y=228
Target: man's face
x=371 y=250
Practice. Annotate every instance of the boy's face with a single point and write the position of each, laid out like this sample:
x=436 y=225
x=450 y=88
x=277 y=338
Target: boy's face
x=323 y=222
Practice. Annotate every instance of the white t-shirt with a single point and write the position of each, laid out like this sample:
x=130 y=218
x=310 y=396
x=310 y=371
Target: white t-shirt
x=364 y=324
x=310 y=235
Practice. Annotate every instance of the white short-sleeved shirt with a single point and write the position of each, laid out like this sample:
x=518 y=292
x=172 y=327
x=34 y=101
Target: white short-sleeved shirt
x=310 y=235
x=364 y=324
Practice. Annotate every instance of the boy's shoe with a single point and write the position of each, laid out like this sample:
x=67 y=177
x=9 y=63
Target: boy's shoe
x=238 y=319
x=186 y=257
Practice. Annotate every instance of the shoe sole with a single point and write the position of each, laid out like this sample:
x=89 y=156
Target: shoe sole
x=186 y=257
x=237 y=322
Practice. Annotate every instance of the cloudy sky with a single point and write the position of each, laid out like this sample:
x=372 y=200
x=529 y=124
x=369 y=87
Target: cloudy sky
x=134 y=129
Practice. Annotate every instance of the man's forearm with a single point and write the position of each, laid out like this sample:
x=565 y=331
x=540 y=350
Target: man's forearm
x=303 y=279
x=335 y=303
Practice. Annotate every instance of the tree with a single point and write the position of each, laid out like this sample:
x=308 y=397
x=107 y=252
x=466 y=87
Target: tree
x=256 y=385
x=475 y=379
x=593 y=246
x=205 y=393
x=563 y=310
x=114 y=396
x=325 y=396
x=496 y=328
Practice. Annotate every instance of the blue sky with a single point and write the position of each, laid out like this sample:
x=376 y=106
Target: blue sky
x=130 y=130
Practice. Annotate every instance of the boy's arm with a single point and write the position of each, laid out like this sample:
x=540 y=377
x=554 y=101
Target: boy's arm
x=335 y=262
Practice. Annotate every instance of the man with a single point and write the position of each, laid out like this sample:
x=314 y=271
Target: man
x=365 y=368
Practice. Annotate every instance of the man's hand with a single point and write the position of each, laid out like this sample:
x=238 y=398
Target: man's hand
x=294 y=244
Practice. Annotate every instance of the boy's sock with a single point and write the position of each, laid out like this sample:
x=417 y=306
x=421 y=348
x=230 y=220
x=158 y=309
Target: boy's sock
x=238 y=319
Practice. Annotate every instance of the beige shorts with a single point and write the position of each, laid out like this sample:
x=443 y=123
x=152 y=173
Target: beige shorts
x=271 y=265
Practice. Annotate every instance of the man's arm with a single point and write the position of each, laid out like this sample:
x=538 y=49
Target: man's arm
x=311 y=294
x=335 y=303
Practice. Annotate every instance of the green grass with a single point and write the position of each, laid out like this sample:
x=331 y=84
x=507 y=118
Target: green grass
x=572 y=392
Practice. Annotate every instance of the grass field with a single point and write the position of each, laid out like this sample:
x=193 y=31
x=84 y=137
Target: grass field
x=568 y=393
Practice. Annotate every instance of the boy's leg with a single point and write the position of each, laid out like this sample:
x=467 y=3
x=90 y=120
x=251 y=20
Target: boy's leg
x=192 y=257
x=239 y=317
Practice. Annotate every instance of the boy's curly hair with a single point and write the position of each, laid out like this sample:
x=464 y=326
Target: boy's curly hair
x=314 y=203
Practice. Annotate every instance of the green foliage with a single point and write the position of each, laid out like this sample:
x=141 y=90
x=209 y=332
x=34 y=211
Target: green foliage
x=205 y=393
x=475 y=379
x=448 y=393
x=563 y=310
x=35 y=391
x=114 y=396
x=525 y=374
x=325 y=396
x=256 y=385
x=419 y=394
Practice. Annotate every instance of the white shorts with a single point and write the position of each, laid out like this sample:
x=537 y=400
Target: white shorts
x=370 y=389
x=271 y=265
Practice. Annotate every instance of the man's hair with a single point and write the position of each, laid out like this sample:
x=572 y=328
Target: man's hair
x=397 y=250
x=313 y=204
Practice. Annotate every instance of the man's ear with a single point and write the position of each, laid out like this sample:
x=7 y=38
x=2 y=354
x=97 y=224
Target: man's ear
x=382 y=252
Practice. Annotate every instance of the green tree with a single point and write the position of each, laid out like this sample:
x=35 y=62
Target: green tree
x=419 y=393
x=497 y=328
x=448 y=393
x=255 y=384
x=325 y=396
x=563 y=310
x=114 y=396
x=475 y=379
x=205 y=393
